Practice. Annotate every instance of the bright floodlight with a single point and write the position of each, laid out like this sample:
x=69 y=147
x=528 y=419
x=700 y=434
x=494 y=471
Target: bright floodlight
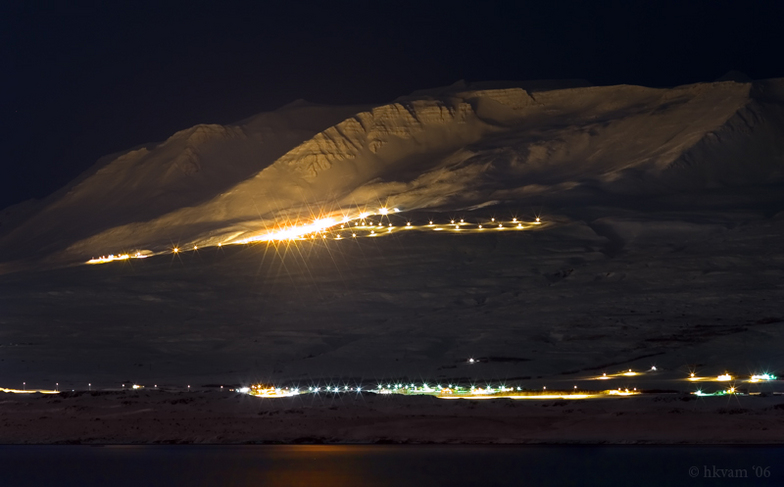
x=383 y=211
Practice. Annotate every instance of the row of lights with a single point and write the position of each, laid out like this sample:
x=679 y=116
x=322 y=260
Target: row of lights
x=319 y=226
x=373 y=228
x=439 y=390
x=726 y=377
x=400 y=388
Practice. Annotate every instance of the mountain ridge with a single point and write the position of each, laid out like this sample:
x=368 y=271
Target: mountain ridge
x=213 y=183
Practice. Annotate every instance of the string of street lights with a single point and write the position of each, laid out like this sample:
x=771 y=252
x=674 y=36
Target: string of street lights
x=359 y=225
x=730 y=385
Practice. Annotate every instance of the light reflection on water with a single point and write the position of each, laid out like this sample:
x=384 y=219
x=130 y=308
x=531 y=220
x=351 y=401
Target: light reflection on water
x=381 y=465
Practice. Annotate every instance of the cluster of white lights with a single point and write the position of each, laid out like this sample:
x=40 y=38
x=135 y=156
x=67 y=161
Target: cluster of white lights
x=450 y=391
x=112 y=258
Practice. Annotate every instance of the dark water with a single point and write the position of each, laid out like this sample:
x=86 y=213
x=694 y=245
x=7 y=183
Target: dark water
x=388 y=465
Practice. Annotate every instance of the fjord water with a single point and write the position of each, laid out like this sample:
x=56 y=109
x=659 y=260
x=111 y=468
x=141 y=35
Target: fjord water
x=382 y=465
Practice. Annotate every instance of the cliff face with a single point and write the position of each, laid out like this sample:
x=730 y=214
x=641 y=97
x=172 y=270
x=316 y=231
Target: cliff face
x=434 y=148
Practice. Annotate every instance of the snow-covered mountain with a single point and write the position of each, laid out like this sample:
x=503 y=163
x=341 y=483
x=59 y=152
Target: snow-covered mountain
x=456 y=147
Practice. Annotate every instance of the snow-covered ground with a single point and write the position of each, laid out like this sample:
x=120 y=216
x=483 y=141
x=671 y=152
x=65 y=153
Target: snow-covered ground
x=222 y=417
x=560 y=300
x=659 y=245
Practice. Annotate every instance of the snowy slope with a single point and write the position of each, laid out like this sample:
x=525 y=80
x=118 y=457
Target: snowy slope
x=454 y=147
x=192 y=166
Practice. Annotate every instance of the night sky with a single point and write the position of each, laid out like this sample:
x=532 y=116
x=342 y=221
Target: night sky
x=83 y=81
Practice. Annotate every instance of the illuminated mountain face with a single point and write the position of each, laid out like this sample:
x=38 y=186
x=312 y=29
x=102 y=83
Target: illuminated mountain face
x=449 y=148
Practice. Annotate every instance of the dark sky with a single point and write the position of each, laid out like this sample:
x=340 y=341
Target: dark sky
x=80 y=81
